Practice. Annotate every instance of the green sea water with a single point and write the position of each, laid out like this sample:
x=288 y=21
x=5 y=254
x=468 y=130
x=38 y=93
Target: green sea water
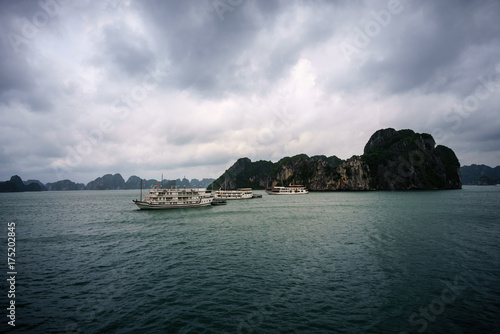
x=336 y=262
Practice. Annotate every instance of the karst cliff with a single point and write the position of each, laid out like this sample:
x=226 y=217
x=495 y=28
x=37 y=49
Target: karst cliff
x=392 y=160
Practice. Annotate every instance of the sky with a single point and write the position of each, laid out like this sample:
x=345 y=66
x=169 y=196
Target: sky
x=185 y=88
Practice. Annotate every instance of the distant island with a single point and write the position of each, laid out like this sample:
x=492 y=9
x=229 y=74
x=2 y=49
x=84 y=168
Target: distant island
x=392 y=160
x=480 y=175
x=15 y=184
x=106 y=182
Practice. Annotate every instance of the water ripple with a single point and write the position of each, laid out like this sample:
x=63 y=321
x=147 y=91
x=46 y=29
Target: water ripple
x=322 y=263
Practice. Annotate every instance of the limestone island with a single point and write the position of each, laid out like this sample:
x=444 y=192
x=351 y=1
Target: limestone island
x=392 y=160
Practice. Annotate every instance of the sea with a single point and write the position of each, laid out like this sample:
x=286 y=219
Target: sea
x=325 y=262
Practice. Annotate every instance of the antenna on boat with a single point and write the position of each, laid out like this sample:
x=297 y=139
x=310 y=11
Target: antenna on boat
x=141 y=189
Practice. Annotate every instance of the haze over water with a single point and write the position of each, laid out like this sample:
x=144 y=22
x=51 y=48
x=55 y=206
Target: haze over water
x=344 y=262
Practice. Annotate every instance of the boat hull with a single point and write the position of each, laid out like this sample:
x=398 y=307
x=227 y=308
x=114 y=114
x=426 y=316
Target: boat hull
x=217 y=201
x=232 y=198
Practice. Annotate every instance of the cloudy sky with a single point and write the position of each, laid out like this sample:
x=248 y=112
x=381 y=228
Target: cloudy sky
x=185 y=88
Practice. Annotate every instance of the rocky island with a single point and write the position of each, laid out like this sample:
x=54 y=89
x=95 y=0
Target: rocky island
x=480 y=175
x=392 y=160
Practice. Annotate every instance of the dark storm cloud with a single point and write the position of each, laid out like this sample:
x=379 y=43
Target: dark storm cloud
x=203 y=48
x=13 y=75
x=122 y=51
x=428 y=44
x=21 y=84
x=22 y=79
x=210 y=53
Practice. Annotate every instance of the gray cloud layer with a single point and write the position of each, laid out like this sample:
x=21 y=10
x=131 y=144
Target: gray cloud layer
x=187 y=87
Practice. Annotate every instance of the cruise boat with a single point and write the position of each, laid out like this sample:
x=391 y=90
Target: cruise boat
x=290 y=190
x=174 y=198
x=240 y=193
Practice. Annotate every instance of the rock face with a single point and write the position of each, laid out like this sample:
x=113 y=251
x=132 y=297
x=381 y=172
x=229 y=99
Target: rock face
x=392 y=160
x=404 y=160
x=320 y=174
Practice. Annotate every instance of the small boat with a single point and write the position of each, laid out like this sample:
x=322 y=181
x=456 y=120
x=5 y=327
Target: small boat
x=256 y=196
x=290 y=190
x=218 y=201
x=240 y=193
x=158 y=198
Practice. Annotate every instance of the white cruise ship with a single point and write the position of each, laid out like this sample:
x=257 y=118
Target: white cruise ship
x=159 y=198
x=290 y=190
x=240 y=193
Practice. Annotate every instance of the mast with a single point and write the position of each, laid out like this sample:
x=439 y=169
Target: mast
x=141 y=189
